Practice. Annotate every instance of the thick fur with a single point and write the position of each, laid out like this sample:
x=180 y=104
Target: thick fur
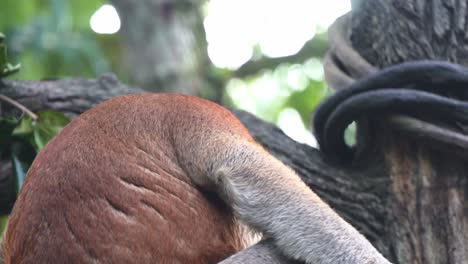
x=164 y=178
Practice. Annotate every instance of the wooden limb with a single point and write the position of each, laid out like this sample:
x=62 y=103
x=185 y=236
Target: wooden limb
x=315 y=47
x=69 y=96
x=358 y=195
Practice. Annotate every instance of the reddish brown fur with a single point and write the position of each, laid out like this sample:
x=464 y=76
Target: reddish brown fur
x=110 y=188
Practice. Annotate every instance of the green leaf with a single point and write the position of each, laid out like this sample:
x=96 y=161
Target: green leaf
x=25 y=127
x=33 y=133
x=20 y=169
x=10 y=69
x=39 y=132
x=22 y=155
x=7 y=125
x=48 y=125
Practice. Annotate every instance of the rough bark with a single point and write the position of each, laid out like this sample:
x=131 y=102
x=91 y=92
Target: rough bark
x=414 y=30
x=427 y=218
x=69 y=96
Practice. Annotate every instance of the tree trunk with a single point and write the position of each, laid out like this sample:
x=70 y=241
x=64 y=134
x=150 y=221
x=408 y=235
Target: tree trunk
x=427 y=219
x=165 y=46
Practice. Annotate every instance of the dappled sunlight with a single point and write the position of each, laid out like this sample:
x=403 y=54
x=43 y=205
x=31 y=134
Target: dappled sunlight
x=105 y=20
x=296 y=78
x=277 y=95
x=280 y=28
x=241 y=95
x=290 y=122
x=313 y=69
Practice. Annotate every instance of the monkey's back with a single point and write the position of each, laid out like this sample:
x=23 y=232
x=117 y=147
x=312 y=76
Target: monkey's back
x=109 y=189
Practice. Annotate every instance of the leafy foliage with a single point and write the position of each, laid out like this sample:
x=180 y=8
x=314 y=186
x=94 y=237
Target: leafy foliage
x=7 y=125
x=6 y=68
x=23 y=139
x=52 y=38
x=41 y=131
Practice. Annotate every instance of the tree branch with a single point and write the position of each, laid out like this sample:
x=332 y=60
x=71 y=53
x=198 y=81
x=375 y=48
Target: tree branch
x=315 y=47
x=358 y=196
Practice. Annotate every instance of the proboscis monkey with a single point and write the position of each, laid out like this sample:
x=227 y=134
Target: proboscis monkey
x=166 y=178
